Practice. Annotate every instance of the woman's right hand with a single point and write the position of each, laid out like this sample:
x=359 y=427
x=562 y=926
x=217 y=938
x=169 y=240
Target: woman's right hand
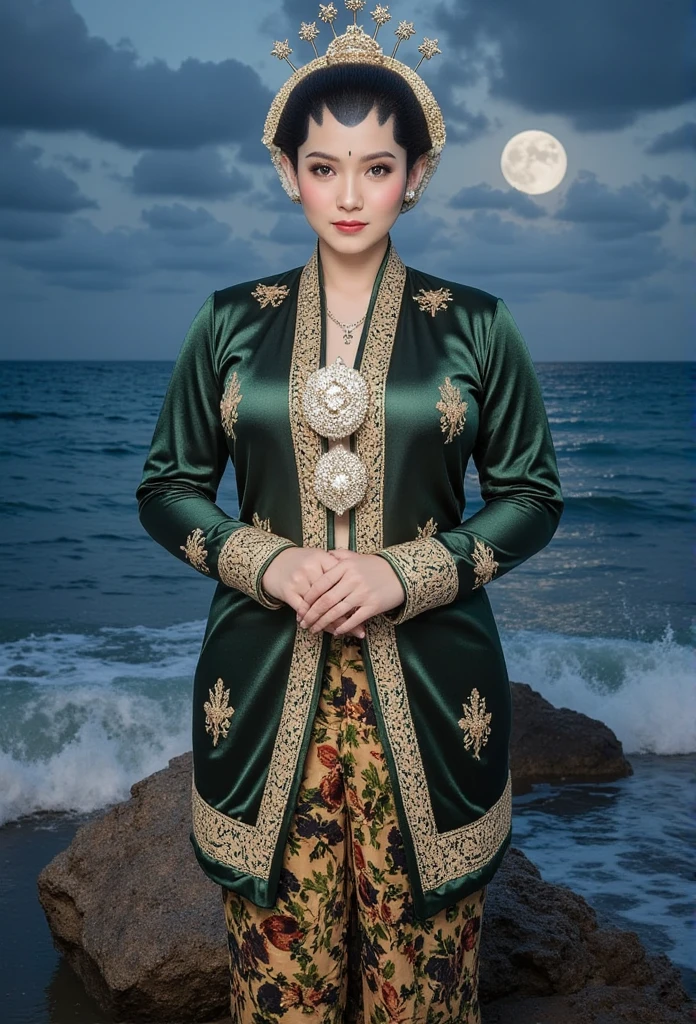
x=293 y=571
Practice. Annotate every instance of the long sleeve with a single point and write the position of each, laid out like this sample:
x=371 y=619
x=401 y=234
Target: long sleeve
x=518 y=474
x=182 y=472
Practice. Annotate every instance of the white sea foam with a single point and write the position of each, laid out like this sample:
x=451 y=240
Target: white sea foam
x=83 y=716
x=644 y=691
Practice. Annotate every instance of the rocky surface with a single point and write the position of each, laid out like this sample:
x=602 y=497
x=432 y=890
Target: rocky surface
x=553 y=744
x=137 y=919
x=132 y=912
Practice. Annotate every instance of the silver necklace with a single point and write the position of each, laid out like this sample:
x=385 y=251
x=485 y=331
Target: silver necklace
x=346 y=328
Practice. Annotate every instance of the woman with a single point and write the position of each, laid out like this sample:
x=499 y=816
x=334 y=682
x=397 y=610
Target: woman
x=351 y=712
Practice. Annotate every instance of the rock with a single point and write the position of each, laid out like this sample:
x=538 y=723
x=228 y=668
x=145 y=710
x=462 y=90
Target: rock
x=540 y=942
x=132 y=912
x=135 y=916
x=557 y=744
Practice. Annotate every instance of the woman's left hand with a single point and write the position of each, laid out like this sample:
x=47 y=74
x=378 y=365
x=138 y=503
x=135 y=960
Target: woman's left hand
x=359 y=587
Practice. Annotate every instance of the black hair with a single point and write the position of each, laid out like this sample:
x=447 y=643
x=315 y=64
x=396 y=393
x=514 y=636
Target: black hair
x=350 y=92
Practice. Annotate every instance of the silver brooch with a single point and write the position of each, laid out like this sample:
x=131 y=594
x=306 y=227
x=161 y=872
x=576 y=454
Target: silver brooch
x=340 y=479
x=335 y=400
x=334 y=403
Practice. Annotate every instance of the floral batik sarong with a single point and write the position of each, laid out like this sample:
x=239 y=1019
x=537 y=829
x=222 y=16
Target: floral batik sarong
x=290 y=962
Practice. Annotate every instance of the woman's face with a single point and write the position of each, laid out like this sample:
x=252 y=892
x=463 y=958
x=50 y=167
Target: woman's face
x=352 y=176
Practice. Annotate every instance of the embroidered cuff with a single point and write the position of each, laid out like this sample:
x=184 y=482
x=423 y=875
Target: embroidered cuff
x=428 y=574
x=244 y=558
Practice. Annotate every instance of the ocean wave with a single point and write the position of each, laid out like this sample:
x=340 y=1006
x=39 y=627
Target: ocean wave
x=642 y=690
x=85 y=715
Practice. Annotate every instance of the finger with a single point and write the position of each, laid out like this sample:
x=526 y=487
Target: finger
x=353 y=623
x=327 y=607
x=319 y=588
x=343 y=606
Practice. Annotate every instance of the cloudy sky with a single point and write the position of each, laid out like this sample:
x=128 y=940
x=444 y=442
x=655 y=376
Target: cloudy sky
x=133 y=181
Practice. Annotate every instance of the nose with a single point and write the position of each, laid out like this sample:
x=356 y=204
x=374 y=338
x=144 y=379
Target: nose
x=349 y=194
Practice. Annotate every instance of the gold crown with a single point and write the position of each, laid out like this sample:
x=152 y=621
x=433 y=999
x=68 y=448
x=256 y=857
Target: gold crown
x=356 y=46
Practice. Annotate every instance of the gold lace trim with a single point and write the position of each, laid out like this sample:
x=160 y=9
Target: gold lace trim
x=218 y=712
x=485 y=565
x=250 y=848
x=475 y=723
x=231 y=397
x=429 y=572
x=441 y=856
x=194 y=550
x=242 y=556
x=432 y=301
x=453 y=410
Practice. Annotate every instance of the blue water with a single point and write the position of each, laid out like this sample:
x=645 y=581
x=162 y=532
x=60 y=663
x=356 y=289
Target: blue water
x=100 y=628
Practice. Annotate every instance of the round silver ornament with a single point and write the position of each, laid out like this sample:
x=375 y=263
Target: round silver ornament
x=340 y=479
x=335 y=400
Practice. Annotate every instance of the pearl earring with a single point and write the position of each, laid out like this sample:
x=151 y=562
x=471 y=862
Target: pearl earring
x=295 y=196
x=410 y=195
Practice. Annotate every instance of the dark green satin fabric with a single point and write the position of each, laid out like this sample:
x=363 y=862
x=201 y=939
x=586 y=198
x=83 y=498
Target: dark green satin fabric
x=443 y=651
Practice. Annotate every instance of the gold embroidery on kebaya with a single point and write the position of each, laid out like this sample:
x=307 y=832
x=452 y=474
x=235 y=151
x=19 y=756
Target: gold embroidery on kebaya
x=250 y=848
x=218 y=712
x=432 y=301
x=475 y=723
x=453 y=410
x=429 y=530
x=441 y=856
x=485 y=564
x=194 y=549
x=262 y=524
x=231 y=398
x=241 y=557
x=430 y=574
x=270 y=294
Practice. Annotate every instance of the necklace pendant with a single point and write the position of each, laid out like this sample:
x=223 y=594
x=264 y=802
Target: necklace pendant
x=347 y=337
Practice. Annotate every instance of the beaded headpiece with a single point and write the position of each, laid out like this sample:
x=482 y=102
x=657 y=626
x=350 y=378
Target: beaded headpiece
x=356 y=46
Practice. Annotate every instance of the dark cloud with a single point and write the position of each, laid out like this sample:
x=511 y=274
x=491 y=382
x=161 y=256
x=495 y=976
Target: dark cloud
x=30 y=226
x=175 y=239
x=600 y=64
x=681 y=140
x=77 y=164
x=608 y=215
x=526 y=262
x=667 y=187
x=483 y=197
x=26 y=185
x=192 y=174
x=54 y=76
x=688 y=216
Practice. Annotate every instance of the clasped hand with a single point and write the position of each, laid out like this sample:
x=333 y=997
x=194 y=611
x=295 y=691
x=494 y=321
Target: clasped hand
x=333 y=590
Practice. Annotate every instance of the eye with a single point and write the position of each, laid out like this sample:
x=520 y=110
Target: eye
x=383 y=170
x=321 y=167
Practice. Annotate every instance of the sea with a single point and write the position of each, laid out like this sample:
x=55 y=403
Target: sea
x=100 y=629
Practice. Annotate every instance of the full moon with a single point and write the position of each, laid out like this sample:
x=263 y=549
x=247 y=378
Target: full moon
x=534 y=162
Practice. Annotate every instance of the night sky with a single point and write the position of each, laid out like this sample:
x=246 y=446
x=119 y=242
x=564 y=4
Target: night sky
x=133 y=181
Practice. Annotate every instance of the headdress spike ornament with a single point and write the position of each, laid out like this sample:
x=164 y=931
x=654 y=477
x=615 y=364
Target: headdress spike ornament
x=428 y=48
x=282 y=51
x=328 y=14
x=403 y=33
x=380 y=16
x=308 y=33
x=355 y=46
x=355 y=6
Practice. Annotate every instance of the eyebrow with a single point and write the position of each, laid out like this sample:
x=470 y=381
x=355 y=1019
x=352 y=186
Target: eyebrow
x=370 y=156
